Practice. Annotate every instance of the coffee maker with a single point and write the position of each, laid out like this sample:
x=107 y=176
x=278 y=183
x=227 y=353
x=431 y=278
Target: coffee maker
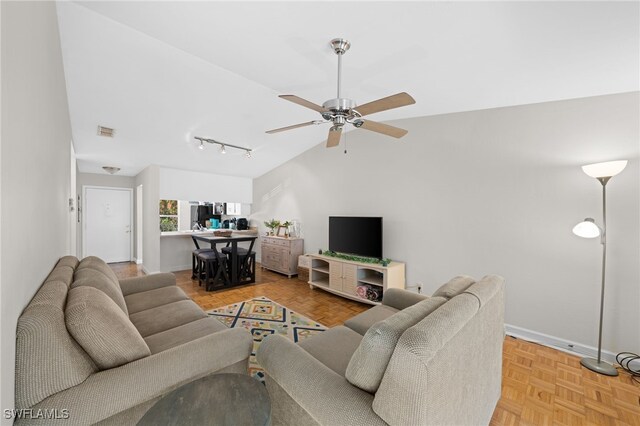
x=242 y=224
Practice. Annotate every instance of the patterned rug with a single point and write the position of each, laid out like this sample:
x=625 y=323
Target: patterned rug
x=263 y=317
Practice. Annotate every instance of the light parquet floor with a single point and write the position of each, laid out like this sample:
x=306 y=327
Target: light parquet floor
x=540 y=385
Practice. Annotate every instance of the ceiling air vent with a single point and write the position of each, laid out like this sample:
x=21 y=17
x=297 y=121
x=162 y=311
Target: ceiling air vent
x=105 y=131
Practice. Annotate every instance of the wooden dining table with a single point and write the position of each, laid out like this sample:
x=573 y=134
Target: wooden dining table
x=233 y=240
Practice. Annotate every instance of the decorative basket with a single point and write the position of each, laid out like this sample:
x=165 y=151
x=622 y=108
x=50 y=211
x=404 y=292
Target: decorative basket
x=223 y=233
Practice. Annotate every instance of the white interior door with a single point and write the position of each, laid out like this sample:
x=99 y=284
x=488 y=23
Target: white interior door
x=107 y=223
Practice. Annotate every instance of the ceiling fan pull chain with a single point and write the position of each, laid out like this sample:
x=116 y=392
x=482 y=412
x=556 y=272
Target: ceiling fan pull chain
x=345 y=143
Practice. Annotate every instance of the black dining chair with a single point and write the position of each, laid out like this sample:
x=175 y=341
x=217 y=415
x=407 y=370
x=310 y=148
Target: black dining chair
x=214 y=270
x=246 y=262
x=196 y=266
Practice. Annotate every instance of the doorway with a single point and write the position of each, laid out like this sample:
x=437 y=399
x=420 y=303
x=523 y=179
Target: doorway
x=139 y=224
x=73 y=215
x=107 y=223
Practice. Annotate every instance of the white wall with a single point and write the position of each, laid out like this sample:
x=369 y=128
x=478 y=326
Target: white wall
x=195 y=186
x=493 y=191
x=113 y=181
x=149 y=178
x=35 y=164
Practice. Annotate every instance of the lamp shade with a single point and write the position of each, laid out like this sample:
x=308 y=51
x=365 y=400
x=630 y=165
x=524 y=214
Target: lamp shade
x=587 y=229
x=607 y=169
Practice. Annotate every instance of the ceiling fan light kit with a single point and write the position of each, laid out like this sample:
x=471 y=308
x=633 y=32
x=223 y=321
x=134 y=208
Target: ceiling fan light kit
x=340 y=111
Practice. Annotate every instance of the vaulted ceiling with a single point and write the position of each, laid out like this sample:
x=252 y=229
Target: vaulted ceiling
x=161 y=73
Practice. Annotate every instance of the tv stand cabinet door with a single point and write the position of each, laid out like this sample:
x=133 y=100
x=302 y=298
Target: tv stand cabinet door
x=349 y=278
x=335 y=275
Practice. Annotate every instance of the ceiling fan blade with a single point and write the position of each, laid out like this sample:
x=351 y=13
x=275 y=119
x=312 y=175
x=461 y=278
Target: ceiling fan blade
x=334 y=137
x=295 y=126
x=305 y=103
x=385 y=129
x=390 y=102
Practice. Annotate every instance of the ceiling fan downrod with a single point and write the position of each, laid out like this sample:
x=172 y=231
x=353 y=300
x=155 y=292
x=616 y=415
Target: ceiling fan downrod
x=340 y=46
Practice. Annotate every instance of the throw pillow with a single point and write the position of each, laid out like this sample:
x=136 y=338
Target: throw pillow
x=369 y=362
x=102 y=329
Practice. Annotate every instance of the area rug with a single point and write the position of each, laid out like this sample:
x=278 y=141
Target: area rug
x=263 y=317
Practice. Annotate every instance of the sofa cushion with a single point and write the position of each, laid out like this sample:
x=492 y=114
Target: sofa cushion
x=454 y=287
x=182 y=334
x=166 y=317
x=333 y=347
x=400 y=298
x=64 y=270
x=70 y=261
x=361 y=322
x=97 y=264
x=48 y=359
x=142 y=301
x=89 y=277
x=370 y=359
x=486 y=288
x=102 y=329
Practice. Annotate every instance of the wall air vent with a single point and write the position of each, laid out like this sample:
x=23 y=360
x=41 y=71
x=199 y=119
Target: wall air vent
x=105 y=131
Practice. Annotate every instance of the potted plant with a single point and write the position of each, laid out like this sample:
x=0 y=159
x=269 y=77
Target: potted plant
x=272 y=225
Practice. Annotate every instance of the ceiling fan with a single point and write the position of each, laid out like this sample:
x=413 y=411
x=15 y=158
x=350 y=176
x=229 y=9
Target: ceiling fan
x=340 y=111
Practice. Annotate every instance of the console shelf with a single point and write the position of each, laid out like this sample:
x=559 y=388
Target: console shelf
x=342 y=277
x=323 y=269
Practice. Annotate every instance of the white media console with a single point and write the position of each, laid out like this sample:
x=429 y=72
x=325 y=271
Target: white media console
x=342 y=277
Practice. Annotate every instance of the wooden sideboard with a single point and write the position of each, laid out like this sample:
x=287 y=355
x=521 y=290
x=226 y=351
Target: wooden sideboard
x=280 y=254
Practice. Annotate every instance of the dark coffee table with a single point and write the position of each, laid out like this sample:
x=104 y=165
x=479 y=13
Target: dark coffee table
x=220 y=399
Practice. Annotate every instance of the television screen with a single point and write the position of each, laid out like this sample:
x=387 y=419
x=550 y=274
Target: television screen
x=361 y=236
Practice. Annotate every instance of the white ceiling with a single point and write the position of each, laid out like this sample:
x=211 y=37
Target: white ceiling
x=163 y=72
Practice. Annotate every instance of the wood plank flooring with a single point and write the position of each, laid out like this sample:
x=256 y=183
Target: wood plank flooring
x=540 y=385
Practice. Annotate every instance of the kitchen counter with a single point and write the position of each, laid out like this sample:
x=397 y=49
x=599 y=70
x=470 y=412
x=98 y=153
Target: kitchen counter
x=209 y=232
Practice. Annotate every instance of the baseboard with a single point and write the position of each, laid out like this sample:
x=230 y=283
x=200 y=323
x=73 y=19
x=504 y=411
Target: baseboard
x=147 y=272
x=560 y=344
x=137 y=261
x=177 y=268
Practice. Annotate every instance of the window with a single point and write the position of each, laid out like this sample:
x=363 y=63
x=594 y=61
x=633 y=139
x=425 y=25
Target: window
x=168 y=215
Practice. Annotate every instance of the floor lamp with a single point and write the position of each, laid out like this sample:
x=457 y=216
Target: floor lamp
x=588 y=229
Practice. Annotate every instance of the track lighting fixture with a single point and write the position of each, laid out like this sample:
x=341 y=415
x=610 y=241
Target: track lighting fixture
x=223 y=146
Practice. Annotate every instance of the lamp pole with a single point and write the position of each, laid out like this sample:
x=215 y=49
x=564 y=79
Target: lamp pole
x=596 y=364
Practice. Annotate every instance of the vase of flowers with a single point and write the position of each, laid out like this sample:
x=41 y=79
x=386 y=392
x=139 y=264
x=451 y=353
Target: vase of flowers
x=287 y=231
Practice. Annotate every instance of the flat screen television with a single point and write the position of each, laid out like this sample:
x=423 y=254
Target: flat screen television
x=360 y=236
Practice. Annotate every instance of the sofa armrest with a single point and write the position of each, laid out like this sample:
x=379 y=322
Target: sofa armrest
x=146 y=283
x=324 y=394
x=110 y=392
x=401 y=299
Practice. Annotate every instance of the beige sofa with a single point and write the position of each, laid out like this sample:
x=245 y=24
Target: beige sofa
x=413 y=360
x=102 y=350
